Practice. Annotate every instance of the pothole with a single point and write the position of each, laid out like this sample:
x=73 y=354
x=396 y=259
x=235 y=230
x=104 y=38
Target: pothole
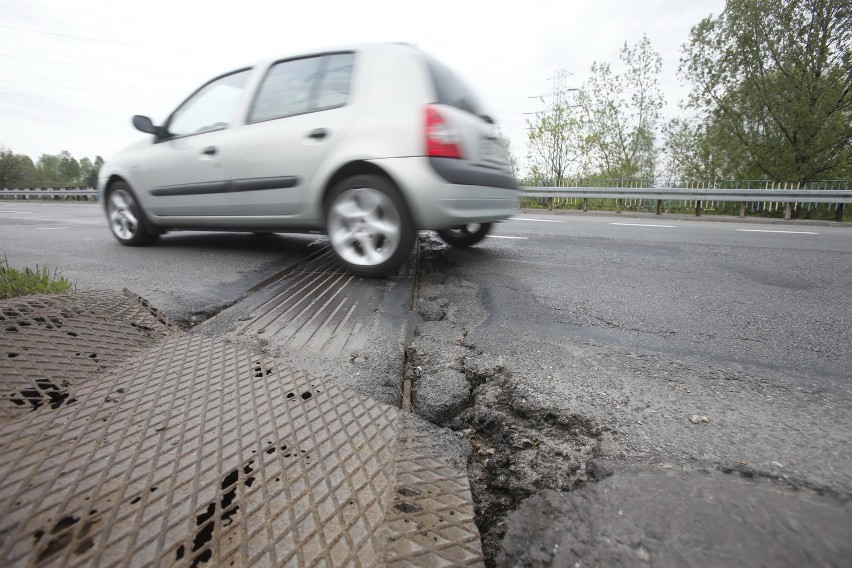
x=519 y=446
x=518 y=449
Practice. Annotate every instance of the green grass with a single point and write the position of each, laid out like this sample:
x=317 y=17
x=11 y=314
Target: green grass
x=14 y=282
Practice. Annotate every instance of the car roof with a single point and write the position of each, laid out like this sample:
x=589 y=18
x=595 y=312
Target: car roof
x=357 y=47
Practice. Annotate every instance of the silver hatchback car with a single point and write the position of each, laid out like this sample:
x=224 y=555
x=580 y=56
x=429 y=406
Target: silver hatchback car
x=368 y=143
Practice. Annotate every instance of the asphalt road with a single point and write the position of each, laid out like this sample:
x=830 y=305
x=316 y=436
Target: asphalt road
x=589 y=341
x=772 y=296
x=706 y=311
x=189 y=275
x=691 y=349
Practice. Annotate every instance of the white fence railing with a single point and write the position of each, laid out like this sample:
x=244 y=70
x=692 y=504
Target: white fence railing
x=696 y=196
x=75 y=193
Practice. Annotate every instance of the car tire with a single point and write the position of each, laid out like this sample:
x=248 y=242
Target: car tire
x=127 y=220
x=465 y=235
x=369 y=225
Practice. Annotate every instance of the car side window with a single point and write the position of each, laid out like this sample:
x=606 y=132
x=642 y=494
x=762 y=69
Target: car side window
x=212 y=107
x=334 y=86
x=303 y=85
x=286 y=89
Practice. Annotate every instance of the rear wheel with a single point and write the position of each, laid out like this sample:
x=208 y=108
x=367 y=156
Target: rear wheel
x=369 y=225
x=465 y=235
x=126 y=218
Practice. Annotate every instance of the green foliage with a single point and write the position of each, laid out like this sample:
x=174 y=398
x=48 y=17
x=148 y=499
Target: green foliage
x=696 y=150
x=60 y=170
x=69 y=167
x=10 y=167
x=771 y=92
x=554 y=142
x=609 y=130
x=621 y=113
x=48 y=170
x=24 y=282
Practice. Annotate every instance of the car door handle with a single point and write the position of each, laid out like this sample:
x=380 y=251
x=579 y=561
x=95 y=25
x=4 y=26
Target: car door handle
x=210 y=151
x=318 y=134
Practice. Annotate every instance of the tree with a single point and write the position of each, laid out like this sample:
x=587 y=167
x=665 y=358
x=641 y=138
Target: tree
x=29 y=172
x=69 y=168
x=89 y=171
x=554 y=142
x=620 y=113
x=693 y=150
x=771 y=84
x=48 y=170
x=10 y=168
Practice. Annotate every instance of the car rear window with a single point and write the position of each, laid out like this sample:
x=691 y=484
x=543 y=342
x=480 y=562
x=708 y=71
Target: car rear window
x=451 y=89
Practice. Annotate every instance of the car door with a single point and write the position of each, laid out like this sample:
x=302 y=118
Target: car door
x=186 y=171
x=298 y=114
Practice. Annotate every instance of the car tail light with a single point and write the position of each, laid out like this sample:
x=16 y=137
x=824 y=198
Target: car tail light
x=442 y=140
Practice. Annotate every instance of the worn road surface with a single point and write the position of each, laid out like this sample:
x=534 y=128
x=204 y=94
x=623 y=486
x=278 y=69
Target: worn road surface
x=642 y=391
x=633 y=390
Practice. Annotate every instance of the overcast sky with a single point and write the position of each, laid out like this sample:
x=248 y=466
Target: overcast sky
x=73 y=73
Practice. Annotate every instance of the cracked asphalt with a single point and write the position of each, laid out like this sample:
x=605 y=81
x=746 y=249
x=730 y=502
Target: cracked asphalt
x=705 y=360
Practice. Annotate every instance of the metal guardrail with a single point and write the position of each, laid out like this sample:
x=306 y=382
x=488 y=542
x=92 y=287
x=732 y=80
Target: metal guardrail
x=681 y=194
x=77 y=193
x=659 y=194
x=838 y=197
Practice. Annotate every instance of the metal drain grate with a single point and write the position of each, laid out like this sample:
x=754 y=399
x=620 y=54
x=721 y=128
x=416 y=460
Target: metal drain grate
x=207 y=456
x=49 y=344
x=317 y=306
x=431 y=521
x=197 y=452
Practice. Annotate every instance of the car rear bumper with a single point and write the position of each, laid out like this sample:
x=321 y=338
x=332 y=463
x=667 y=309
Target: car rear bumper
x=462 y=173
x=437 y=202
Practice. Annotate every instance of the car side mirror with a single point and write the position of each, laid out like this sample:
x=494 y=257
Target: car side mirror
x=144 y=124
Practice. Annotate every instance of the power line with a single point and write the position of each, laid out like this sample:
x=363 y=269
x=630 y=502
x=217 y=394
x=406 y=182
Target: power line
x=83 y=82
x=76 y=24
x=111 y=42
x=96 y=66
x=74 y=88
x=52 y=7
x=70 y=102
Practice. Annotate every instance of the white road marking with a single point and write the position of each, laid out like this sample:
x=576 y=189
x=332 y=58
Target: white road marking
x=774 y=231
x=643 y=225
x=504 y=237
x=538 y=220
x=14 y=211
x=50 y=228
x=72 y=221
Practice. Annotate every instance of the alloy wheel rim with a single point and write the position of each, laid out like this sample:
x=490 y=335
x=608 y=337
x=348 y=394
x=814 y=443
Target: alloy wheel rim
x=364 y=226
x=123 y=218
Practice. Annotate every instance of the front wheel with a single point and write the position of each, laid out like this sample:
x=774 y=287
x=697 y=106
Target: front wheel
x=465 y=235
x=369 y=225
x=126 y=218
